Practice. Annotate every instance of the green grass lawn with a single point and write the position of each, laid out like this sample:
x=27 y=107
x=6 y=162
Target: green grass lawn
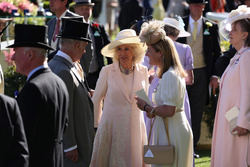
x=204 y=160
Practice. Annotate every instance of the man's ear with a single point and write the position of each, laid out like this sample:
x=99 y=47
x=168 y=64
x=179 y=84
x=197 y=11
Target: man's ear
x=29 y=53
x=78 y=45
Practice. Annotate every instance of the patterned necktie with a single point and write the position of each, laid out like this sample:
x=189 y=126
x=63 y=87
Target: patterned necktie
x=194 y=33
x=79 y=69
x=56 y=29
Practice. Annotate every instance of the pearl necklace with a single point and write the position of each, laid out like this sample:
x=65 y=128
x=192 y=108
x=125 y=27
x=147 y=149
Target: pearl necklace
x=127 y=71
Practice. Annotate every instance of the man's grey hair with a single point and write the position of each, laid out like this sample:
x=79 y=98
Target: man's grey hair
x=39 y=52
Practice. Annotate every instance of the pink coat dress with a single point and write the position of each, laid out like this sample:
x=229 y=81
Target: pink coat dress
x=230 y=150
x=121 y=132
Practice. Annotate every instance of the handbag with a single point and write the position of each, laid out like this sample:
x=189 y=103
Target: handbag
x=159 y=154
x=232 y=116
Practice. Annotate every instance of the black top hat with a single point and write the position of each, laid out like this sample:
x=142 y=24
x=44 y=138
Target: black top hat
x=73 y=29
x=84 y=2
x=76 y=18
x=31 y=36
x=197 y=1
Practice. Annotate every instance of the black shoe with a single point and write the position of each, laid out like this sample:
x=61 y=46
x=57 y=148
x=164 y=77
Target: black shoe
x=196 y=155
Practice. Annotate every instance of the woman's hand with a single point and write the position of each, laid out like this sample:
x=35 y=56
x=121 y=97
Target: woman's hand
x=140 y=103
x=241 y=131
x=150 y=115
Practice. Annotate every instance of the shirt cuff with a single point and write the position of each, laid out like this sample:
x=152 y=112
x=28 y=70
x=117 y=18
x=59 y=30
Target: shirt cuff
x=214 y=76
x=71 y=148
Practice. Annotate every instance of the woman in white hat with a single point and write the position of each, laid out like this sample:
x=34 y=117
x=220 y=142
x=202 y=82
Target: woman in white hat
x=168 y=96
x=121 y=130
x=231 y=144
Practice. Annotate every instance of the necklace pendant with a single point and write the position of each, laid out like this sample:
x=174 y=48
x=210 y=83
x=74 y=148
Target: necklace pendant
x=126 y=71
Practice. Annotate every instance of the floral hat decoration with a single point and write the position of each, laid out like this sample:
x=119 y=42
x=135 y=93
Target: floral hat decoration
x=242 y=12
x=152 y=32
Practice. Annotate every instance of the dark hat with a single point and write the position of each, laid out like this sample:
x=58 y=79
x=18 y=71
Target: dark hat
x=31 y=36
x=75 y=18
x=73 y=29
x=197 y=1
x=84 y=2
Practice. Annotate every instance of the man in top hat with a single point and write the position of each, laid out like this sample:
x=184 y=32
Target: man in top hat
x=205 y=46
x=79 y=136
x=77 y=18
x=43 y=100
x=92 y=61
x=60 y=8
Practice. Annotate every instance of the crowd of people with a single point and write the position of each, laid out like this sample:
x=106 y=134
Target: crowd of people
x=79 y=108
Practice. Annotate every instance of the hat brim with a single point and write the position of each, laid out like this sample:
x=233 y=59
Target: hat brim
x=31 y=44
x=238 y=17
x=76 y=38
x=109 y=49
x=182 y=33
x=84 y=4
x=225 y=25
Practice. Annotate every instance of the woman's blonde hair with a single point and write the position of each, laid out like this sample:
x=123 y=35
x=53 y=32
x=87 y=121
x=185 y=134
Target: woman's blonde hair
x=137 y=51
x=170 y=57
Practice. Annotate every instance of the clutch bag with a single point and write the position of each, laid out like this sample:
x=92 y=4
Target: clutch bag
x=232 y=116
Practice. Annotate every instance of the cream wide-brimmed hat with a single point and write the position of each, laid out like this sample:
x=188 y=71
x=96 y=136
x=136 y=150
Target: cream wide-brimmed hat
x=124 y=37
x=177 y=25
x=242 y=12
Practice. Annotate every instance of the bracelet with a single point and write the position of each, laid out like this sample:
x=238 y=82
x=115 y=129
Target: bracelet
x=144 y=108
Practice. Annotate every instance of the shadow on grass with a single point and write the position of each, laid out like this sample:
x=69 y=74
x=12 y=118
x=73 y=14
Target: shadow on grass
x=204 y=160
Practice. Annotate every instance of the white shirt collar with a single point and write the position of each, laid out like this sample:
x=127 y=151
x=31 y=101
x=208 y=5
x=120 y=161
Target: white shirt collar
x=191 y=23
x=63 y=15
x=36 y=69
x=64 y=55
x=191 y=20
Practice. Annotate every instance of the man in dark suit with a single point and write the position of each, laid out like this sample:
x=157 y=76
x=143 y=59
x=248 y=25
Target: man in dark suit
x=43 y=100
x=205 y=46
x=60 y=8
x=13 y=143
x=223 y=61
x=130 y=10
x=92 y=61
x=79 y=136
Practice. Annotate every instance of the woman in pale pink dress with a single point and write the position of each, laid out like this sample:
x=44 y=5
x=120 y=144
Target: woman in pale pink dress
x=230 y=150
x=121 y=132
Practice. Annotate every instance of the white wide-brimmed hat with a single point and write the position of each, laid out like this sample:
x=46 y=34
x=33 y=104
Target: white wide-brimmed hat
x=242 y=12
x=124 y=37
x=179 y=25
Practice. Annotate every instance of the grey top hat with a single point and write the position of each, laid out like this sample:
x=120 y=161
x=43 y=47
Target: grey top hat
x=31 y=36
x=84 y=2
